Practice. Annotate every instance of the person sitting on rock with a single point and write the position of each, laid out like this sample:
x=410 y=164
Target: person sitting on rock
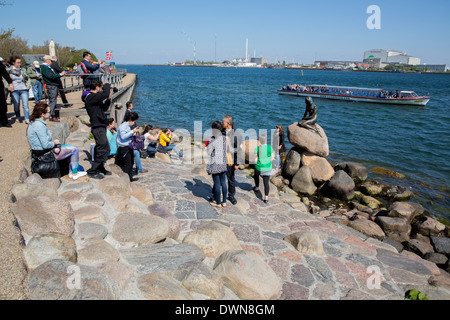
x=151 y=140
x=41 y=140
x=125 y=156
x=164 y=143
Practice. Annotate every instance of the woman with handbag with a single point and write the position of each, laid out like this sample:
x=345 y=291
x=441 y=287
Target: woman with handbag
x=44 y=149
x=125 y=155
x=217 y=166
x=22 y=85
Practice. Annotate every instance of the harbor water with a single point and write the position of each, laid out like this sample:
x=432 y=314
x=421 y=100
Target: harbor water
x=411 y=140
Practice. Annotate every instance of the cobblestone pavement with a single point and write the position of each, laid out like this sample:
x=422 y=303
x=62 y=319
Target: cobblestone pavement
x=353 y=266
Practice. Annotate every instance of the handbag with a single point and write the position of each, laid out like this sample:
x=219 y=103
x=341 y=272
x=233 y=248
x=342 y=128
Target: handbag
x=137 y=142
x=45 y=165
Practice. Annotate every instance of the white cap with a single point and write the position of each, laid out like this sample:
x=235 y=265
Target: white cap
x=36 y=64
x=47 y=57
x=1 y=59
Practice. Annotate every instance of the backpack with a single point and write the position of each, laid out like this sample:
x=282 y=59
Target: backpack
x=81 y=68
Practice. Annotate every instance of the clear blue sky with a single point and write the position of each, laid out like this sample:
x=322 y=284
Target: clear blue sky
x=145 y=32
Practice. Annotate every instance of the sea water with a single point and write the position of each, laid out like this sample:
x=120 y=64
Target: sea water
x=411 y=140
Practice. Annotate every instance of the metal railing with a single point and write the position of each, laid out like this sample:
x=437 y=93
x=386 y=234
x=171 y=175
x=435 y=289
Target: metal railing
x=74 y=81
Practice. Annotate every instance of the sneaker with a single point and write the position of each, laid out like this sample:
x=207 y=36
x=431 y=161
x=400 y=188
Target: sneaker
x=78 y=175
x=144 y=171
x=224 y=205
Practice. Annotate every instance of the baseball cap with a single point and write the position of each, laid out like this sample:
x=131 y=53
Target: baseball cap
x=36 y=64
x=47 y=57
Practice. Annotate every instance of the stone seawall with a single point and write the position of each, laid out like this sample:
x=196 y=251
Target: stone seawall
x=159 y=238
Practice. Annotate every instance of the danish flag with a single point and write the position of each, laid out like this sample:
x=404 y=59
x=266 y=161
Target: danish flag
x=109 y=54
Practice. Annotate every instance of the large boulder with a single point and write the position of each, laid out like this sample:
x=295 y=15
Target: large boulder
x=202 y=279
x=44 y=215
x=405 y=210
x=139 y=228
x=49 y=246
x=367 y=227
x=292 y=163
x=247 y=275
x=117 y=191
x=391 y=225
x=64 y=280
x=309 y=140
x=321 y=170
x=213 y=238
x=428 y=226
x=302 y=182
x=59 y=130
x=160 y=286
x=173 y=222
x=249 y=147
x=355 y=170
x=341 y=186
x=306 y=242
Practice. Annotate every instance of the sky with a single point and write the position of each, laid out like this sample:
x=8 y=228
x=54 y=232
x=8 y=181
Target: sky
x=156 y=32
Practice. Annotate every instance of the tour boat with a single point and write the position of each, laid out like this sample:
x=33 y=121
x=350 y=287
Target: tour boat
x=355 y=94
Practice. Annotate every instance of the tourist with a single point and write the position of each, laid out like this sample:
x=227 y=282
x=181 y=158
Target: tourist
x=111 y=135
x=235 y=139
x=151 y=140
x=263 y=168
x=89 y=66
x=217 y=166
x=137 y=153
x=55 y=66
x=129 y=106
x=41 y=140
x=279 y=145
x=51 y=79
x=164 y=143
x=97 y=102
x=3 y=106
x=125 y=156
x=21 y=83
x=34 y=72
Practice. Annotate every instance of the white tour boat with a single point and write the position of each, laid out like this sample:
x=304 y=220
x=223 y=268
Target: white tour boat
x=356 y=94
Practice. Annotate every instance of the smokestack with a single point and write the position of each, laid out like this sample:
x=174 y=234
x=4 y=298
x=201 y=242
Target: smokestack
x=246 y=50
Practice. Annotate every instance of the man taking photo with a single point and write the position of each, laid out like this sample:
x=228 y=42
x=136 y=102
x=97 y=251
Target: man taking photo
x=97 y=102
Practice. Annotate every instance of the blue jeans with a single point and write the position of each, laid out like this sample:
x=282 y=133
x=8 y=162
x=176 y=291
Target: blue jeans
x=37 y=91
x=17 y=96
x=174 y=147
x=137 y=159
x=220 y=183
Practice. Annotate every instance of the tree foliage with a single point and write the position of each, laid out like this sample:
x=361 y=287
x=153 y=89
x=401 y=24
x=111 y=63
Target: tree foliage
x=11 y=44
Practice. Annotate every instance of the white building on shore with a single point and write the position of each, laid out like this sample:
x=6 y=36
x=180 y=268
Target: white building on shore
x=392 y=57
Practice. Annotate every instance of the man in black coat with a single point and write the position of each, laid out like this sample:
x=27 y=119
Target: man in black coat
x=3 y=105
x=97 y=102
x=55 y=66
x=235 y=139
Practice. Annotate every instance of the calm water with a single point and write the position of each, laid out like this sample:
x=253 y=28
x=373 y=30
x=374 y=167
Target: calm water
x=412 y=140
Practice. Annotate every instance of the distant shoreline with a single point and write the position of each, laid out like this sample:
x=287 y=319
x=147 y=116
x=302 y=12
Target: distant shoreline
x=287 y=68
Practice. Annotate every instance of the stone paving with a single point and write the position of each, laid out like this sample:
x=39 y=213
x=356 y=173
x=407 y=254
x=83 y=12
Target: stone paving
x=353 y=266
